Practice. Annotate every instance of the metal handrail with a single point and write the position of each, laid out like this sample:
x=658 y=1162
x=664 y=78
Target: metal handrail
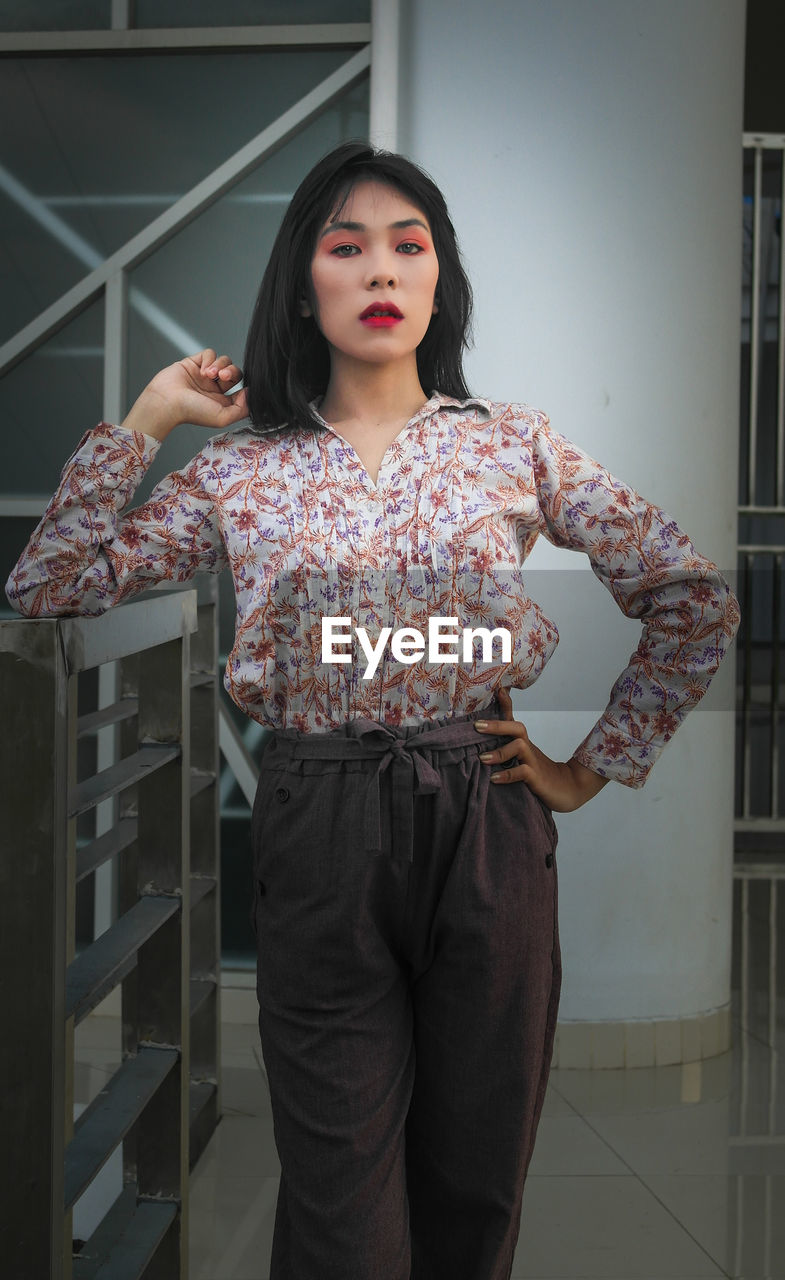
x=152 y=1105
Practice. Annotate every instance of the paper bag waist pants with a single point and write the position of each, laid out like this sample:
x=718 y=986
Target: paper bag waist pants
x=408 y=981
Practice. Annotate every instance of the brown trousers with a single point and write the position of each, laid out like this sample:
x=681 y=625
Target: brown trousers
x=408 y=981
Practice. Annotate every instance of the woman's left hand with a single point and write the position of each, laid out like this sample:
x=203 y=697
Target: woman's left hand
x=562 y=785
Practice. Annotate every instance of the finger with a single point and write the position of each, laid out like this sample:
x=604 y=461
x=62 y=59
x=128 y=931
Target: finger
x=518 y=773
x=236 y=409
x=203 y=359
x=214 y=369
x=509 y=751
x=505 y=703
x=230 y=375
x=503 y=727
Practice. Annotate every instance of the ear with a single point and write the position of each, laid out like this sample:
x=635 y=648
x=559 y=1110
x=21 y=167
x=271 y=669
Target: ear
x=435 y=306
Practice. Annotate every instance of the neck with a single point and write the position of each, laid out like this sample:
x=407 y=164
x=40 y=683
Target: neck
x=371 y=394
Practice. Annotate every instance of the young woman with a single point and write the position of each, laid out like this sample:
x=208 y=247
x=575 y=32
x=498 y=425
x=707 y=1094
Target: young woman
x=405 y=884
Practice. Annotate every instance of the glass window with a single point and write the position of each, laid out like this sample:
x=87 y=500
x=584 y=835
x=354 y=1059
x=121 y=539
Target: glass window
x=91 y=15
x=55 y=15
x=48 y=401
x=104 y=145
x=251 y=13
x=202 y=283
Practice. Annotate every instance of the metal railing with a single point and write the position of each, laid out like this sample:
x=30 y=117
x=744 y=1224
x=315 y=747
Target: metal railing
x=163 y=1102
x=760 y=791
x=757 y=1128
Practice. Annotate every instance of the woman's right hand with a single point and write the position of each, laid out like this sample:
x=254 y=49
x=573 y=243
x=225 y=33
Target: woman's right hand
x=191 y=390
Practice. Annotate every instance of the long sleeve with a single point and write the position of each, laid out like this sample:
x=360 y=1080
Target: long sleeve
x=87 y=554
x=688 y=613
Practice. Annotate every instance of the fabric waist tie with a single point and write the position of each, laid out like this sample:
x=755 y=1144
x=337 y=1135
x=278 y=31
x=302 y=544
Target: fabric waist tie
x=412 y=774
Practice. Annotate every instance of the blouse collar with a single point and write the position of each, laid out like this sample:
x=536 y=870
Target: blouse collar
x=436 y=402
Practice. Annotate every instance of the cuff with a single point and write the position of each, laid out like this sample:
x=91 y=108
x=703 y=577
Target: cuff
x=613 y=754
x=146 y=446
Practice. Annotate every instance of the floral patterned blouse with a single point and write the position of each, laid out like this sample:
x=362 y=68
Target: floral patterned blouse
x=461 y=496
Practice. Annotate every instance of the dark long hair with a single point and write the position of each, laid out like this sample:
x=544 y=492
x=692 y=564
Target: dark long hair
x=287 y=361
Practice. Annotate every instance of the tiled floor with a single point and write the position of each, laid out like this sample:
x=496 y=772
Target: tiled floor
x=661 y=1173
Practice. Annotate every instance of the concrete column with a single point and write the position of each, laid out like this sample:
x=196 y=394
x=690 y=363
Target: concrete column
x=590 y=154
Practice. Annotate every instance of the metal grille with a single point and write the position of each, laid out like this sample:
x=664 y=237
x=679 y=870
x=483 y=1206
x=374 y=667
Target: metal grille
x=162 y=1104
x=755 y=1123
x=760 y=774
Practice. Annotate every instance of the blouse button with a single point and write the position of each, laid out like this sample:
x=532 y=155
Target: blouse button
x=549 y=859
x=282 y=794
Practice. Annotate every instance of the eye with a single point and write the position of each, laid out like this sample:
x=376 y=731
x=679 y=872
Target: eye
x=410 y=247
x=345 y=250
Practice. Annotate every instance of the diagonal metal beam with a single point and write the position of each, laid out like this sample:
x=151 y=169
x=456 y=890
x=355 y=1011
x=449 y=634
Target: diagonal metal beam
x=114 y=325
x=237 y=755
x=185 y=210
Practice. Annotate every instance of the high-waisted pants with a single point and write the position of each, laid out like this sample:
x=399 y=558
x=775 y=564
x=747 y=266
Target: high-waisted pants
x=408 y=982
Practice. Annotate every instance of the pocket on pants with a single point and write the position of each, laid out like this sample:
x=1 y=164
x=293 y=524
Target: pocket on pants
x=547 y=815
x=268 y=780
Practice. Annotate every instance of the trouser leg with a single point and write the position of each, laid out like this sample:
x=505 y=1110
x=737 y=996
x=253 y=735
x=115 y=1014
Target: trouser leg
x=485 y=996
x=368 y=965
x=336 y=1029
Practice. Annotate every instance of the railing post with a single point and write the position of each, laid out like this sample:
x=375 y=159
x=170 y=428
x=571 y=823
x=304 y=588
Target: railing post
x=205 y=872
x=115 y=347
x=34 y=697
x=163 y=963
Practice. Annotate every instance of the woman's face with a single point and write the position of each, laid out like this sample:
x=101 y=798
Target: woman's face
x=374 y=274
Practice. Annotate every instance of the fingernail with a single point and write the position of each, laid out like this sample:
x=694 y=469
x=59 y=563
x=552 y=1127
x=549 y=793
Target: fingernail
x=496 y=777
x=481 y=724
x=486 y=755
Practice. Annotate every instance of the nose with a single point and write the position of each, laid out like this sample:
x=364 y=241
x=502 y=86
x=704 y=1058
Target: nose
x=382 y=272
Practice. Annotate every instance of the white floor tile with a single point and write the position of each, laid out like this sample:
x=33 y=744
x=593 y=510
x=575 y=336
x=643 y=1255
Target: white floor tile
x=680 y=1139
x=738 y=1220
x=603 y=1228
x=231 y=1227
x=244 y=1091
x=98 y=1032
x=90 y=1078
x=241 y=1147
x=556 y=1105
x=643 y=1089
x=567 y=1145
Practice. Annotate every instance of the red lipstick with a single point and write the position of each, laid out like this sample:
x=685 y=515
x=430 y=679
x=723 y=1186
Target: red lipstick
x=381 y=315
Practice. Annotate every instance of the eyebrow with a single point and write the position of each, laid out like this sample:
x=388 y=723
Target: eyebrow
x=360 y=226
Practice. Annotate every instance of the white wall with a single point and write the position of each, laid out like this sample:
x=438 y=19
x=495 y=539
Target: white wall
x=590 y=152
